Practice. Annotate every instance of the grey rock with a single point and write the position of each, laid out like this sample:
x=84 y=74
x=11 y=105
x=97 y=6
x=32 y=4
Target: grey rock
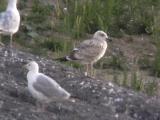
x=95 y=99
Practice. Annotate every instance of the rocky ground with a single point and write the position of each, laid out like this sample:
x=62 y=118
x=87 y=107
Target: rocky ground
x=95 y=99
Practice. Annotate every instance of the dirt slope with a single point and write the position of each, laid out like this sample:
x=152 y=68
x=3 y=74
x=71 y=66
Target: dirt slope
x=96 y=99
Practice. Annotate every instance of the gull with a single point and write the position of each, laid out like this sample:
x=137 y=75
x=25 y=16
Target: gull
x=10 y=20
x=89 y=51
x=43 y=88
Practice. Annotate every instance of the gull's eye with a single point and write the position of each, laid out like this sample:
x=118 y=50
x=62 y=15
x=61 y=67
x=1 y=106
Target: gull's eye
x=102 y=35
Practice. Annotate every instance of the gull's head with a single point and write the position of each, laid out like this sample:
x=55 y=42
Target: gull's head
x=101 y=35
x=12 y=1
x=32 y=66
x=12 y=5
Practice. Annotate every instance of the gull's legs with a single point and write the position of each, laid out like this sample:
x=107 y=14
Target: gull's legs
x=86 y=70
x=1 y=44
x=40 y=107
x=11 y=46
x=92 y=73
x=11 y=38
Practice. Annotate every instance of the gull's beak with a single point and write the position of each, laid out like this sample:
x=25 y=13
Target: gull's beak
x=109 y=39
x=24 y=66
x=25 y=63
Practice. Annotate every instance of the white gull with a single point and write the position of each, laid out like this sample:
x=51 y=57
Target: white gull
x=10 y=20
x=43 y=88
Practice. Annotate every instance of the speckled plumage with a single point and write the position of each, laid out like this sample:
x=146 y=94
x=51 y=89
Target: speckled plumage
x=90 y=51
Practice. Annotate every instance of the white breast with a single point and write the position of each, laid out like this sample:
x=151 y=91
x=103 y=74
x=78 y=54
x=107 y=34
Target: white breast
x=104 y=46
x=14 y=22
x=37 y=95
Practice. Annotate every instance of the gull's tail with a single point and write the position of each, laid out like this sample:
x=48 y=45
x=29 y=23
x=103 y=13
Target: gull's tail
x=70 y=57
x=63 y=59
x=73 y=98
x=67 y=58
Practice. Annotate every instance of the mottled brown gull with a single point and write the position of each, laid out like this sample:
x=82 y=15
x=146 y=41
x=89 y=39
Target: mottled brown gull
x=43 y=88
x=10 y=20
x=90 y=51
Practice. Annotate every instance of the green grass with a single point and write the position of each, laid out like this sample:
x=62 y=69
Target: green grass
x=116 y=17
x=115 y=62
x=55 y=44
x=135 y=80
x=86 y=16
x=156 y=38
x=39 y=12
x=3 y=4
x=109 y=15
x=152 y=87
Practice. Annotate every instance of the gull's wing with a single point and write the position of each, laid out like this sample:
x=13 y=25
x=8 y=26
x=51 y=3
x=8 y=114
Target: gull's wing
x=88 y=49
x=8 y=20
x=50 y=88
x=2 y=19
